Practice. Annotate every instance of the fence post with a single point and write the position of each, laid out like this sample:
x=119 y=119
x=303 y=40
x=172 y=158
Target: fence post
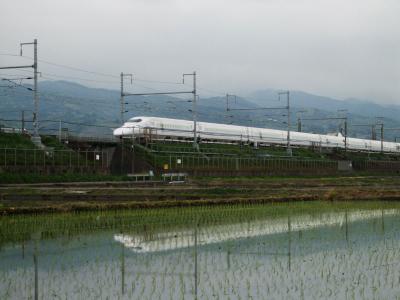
x=34 y=157
x=70 y=159
x=15 y=157
x=5 y=157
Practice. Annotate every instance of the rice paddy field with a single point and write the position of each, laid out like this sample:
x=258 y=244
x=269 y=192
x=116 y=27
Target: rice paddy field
x=301 y=250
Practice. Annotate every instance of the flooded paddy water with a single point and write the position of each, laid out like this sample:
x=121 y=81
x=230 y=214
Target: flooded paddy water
x=313 y=250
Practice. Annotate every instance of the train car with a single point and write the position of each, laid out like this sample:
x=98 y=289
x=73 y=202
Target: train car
x=166 y=128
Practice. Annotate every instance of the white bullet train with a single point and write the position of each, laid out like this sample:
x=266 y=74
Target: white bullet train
x=165 y=128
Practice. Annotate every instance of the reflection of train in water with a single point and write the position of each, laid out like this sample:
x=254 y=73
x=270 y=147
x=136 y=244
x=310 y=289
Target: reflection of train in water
x=182 y=129
x=213 y=234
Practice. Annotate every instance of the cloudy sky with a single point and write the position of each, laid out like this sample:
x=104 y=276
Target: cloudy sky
x=337 y=48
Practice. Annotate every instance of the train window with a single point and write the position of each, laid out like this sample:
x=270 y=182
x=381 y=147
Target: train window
x=136 y=120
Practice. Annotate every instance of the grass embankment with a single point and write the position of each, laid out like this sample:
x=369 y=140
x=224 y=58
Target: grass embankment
x=215 y=191
x=17 y=150
x=22 y=141
x=180 y=155
x=228 y=157
x=8 y=178
x=243 y=150
x=15 y=140
x=246 y=150
x=53 y=142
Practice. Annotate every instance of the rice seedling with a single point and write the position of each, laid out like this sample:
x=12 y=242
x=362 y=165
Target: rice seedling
x=237 y=252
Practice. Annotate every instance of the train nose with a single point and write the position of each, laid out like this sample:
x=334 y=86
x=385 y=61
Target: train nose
x=119 y=131
x=123 y=131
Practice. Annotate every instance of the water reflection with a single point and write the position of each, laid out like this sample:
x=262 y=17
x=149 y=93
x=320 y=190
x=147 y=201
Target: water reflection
x=173 y=240
x=337 y=255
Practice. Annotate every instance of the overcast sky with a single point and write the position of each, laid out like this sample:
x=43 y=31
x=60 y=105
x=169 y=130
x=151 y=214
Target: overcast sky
x=337 y=48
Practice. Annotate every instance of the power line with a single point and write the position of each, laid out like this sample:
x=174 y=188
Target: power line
x=76 y=97
x=78 y=78
x=212 y=91
x=47 y=97
x=64 y=122
x=90 y=72
x=157 y=81
x=10 y=111
x=63 y=66
x=17 y=84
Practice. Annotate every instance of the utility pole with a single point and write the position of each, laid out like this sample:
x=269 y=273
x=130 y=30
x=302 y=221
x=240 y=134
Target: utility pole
x=345 y=127
x=228 y=116
x=122 y=99
x=299 y=127
x=36 y=136
x=289 y=149
x=382 y=131
x=195 y=97
x=345 y=134
x=373 y=132
x=59 y=131
x=194 y=110
x=22 y=121
x=35 y=92
x=335 y=118
x=298 y=124
x=122 y=108
x=288 y=146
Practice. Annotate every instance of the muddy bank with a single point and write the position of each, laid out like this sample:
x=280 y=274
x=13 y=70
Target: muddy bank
x=43 y=198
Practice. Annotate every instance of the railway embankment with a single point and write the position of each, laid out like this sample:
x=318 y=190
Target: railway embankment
x=20 y=161
x=67 y=197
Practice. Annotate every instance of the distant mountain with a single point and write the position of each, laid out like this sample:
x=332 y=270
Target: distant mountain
x=305 y=100
x=74 y=103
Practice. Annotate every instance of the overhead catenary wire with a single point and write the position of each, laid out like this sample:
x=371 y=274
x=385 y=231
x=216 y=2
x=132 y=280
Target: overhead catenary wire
x=75 y=98
x=17 y=84
x=64 y=122
x=63 y=66
x=90 y=71
x=48 y=76
x=109 y=75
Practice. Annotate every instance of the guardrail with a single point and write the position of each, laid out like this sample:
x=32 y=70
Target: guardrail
x=42 y=158
x=183 y=163
x=92 y=139
x=376 y=165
